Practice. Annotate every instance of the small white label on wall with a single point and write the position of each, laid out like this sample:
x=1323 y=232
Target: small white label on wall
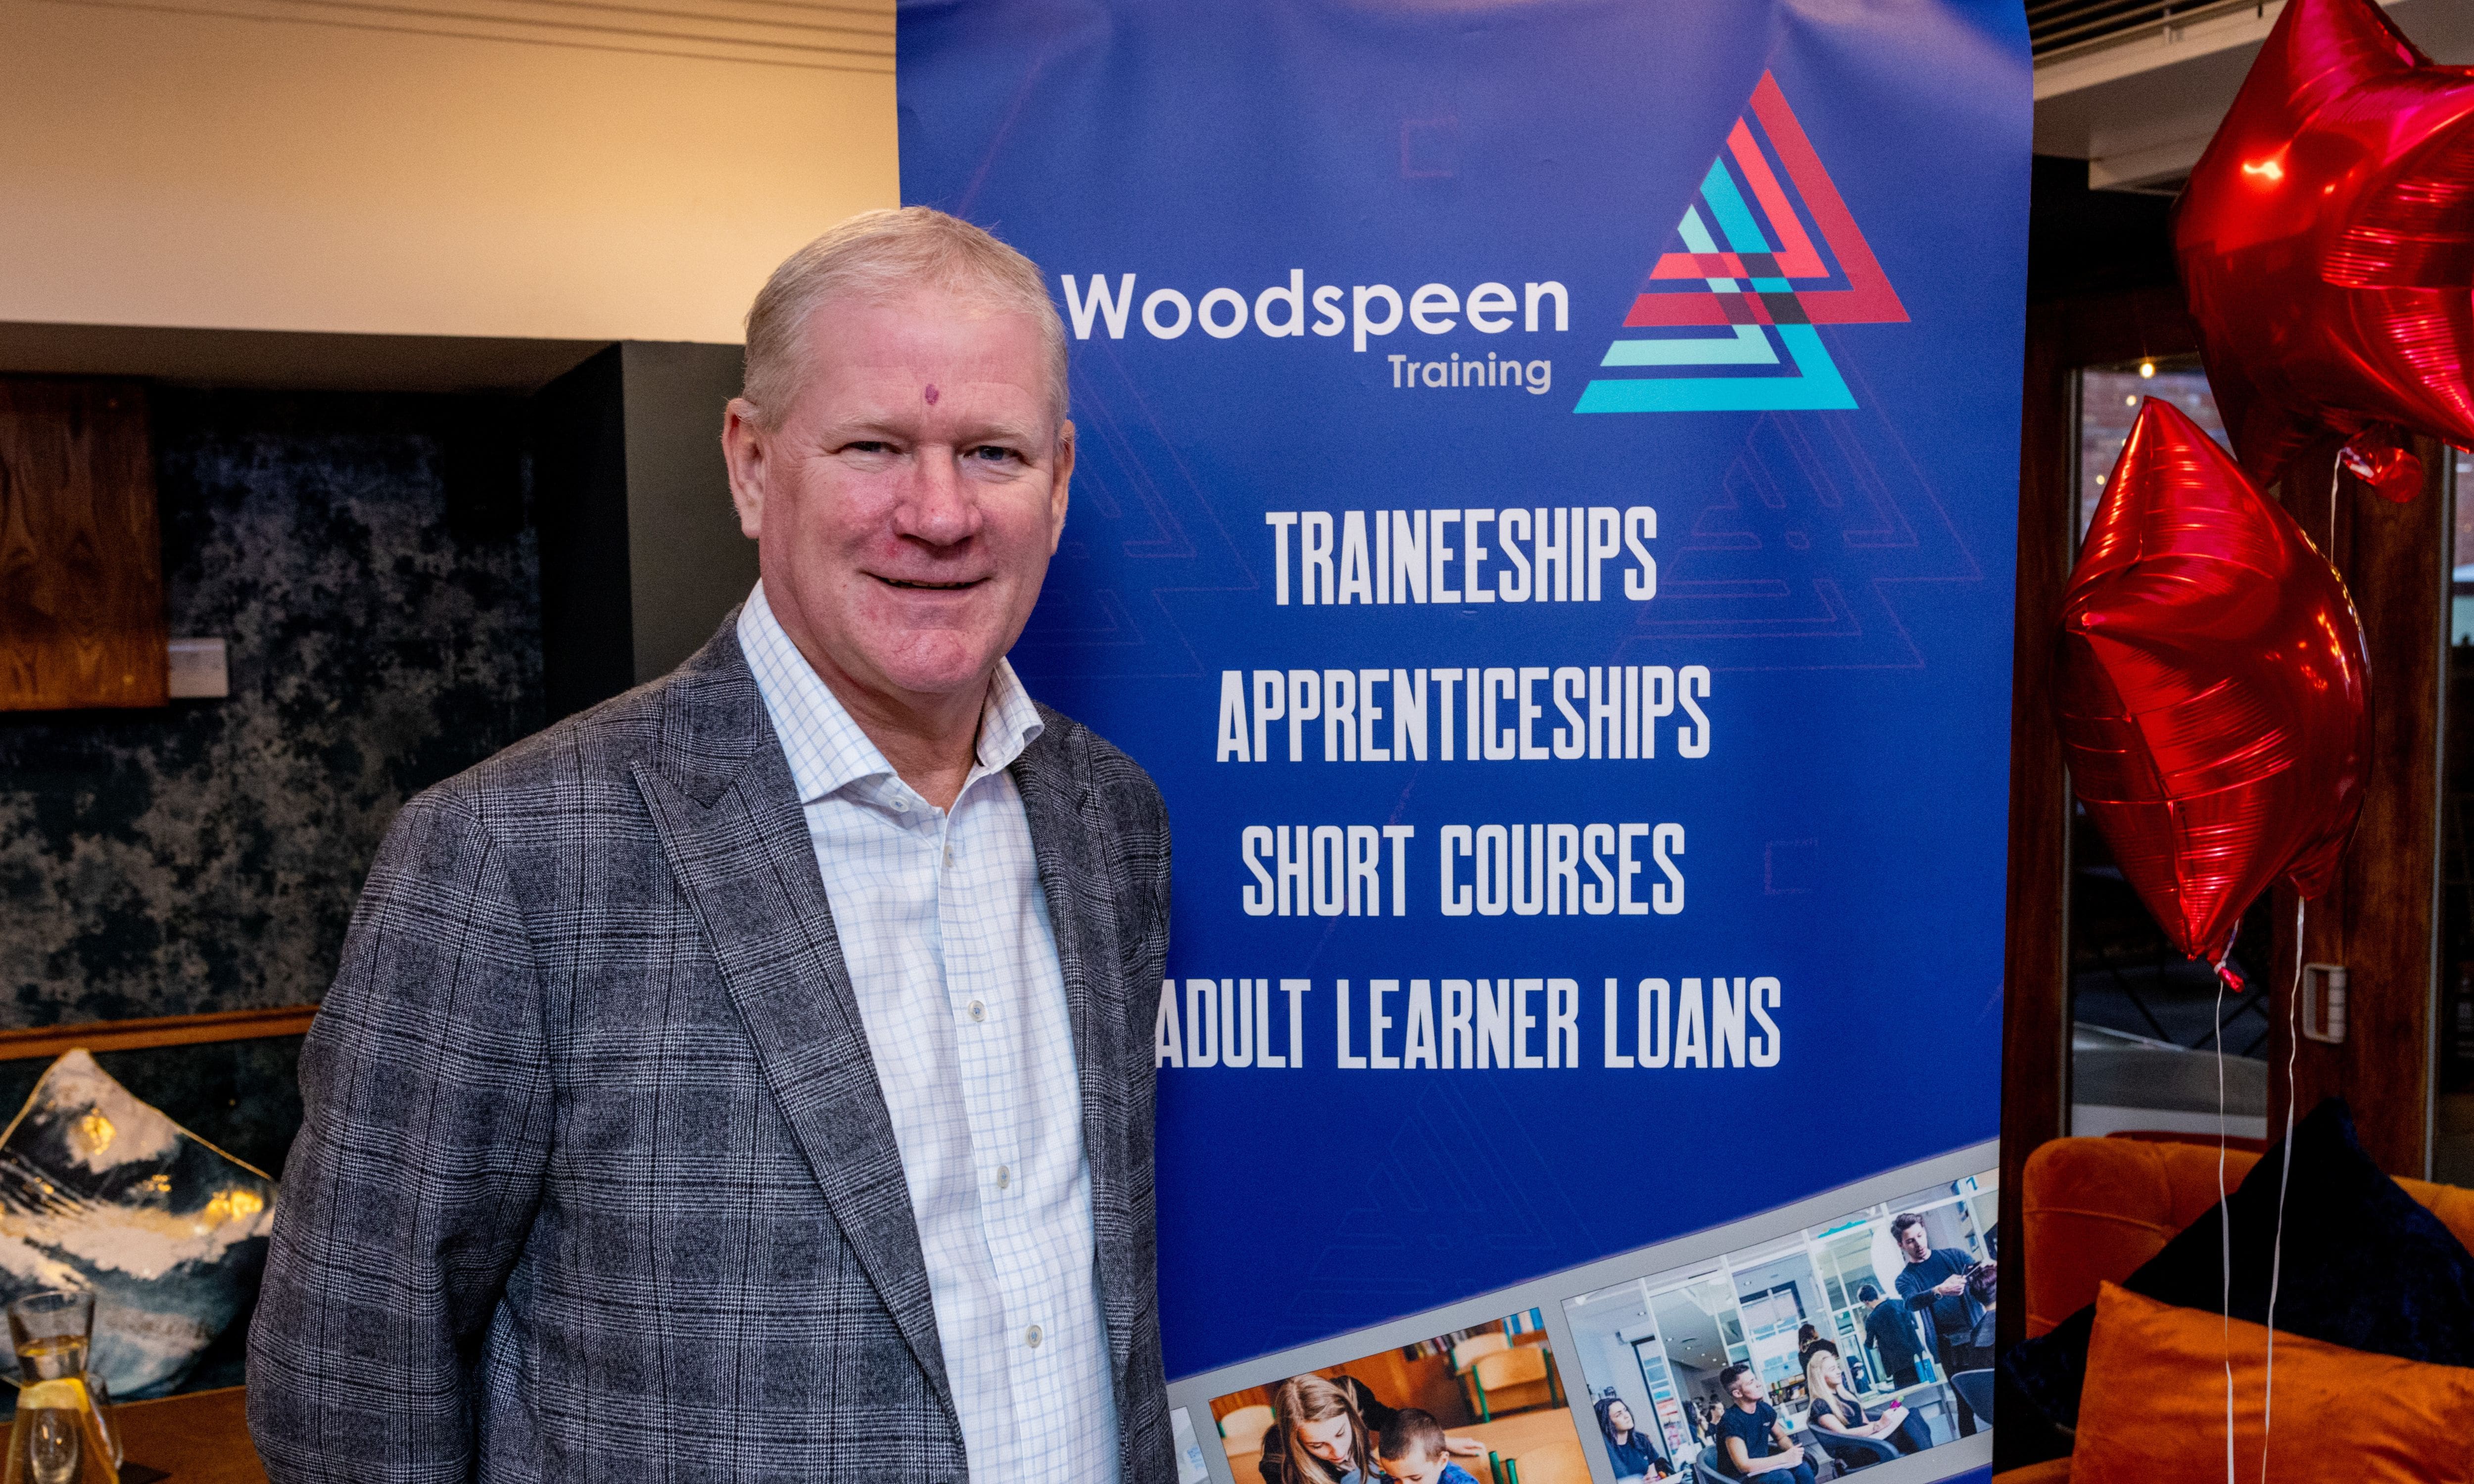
x=198 y=670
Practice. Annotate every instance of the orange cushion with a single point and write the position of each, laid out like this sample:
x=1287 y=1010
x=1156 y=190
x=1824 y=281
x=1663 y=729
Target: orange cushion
x=2096 y=1208
x=2155 y=1408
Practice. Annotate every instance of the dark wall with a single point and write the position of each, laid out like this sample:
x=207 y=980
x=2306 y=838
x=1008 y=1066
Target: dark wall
x=642 y=551
x=580 y=505
x=371 y=562
x=2081 y=241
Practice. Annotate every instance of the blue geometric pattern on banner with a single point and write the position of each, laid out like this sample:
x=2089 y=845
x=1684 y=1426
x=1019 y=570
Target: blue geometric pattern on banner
x=1748 y=345
x=1815 y=385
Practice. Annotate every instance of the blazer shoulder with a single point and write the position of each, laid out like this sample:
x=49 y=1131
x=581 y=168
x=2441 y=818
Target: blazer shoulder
x=1120 y=784
x=700 y=721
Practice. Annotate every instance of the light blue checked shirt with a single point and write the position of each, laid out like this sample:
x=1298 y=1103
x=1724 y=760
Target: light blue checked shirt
x=952 y=955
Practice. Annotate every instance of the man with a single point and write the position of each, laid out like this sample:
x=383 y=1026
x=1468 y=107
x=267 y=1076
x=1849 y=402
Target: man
x=751 y=1078
x=1754 y=1442
x=1934 y=1282
x=1892 y=1332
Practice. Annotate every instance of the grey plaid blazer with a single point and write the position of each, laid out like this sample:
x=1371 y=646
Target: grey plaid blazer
x=596 y=1182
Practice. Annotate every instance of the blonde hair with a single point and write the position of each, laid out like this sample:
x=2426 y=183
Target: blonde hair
x=1817 y=1394
x=876 y=256
x=1310 y=1399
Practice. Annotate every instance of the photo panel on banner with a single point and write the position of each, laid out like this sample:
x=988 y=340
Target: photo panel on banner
x=1490 y=1396
x=1856 y=1325
x=1831 y=1333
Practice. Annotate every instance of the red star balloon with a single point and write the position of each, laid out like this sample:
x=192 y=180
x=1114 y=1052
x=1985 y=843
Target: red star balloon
x=2214 y=703
x=2326 y=241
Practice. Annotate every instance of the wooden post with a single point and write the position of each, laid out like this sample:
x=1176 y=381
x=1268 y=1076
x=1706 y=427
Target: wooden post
x=2381 y=917
x=2062 y=337
x=2035 y=1002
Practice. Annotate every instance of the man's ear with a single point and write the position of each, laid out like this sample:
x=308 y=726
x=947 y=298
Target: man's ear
x=744 y=453
x=1057 y=489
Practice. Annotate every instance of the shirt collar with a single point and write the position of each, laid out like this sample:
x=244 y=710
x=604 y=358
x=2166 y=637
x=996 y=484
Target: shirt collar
x=1009 y=723
x=826 y=750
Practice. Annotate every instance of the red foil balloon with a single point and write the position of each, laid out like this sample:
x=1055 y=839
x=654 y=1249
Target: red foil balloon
x=2214 y=702
x=2326 y=241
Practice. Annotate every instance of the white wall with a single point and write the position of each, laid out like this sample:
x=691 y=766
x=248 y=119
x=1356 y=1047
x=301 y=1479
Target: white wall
x=177 y=168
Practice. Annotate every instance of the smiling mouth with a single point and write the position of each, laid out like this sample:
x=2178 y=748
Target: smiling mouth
x=961 y=586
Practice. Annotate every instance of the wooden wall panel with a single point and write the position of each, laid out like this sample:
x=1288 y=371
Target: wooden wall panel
x=81 y=554
x=2035 y=999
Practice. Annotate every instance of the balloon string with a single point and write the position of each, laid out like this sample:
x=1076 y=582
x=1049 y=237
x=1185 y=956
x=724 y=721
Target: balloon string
x=2277 y=1247
x=2224 y=1213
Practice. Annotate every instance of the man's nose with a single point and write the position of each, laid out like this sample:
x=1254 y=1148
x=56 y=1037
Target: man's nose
x=937 y=508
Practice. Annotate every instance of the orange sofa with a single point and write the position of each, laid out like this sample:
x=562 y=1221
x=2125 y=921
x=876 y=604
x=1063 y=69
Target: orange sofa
x=2096 y=1208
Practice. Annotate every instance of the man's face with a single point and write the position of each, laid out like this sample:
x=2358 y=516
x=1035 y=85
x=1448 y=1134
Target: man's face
x=1915 y=1244
x=1749 y=1387
x=1417 y=1468
x=1328 y=1440
x=907 y=501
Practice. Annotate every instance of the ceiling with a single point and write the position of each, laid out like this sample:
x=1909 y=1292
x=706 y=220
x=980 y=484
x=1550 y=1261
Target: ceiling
x=855 y=35
x=1691 y=1336
x=2135 y=88
x=290 y=360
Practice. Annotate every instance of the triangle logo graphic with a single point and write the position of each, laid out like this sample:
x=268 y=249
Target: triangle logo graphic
x=1768 y=252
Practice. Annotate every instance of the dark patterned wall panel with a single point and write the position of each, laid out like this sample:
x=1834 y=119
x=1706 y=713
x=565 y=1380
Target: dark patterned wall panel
x=371 y=565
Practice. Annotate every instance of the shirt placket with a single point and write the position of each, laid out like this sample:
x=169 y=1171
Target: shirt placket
x=988 y=1042
x=976 y=1344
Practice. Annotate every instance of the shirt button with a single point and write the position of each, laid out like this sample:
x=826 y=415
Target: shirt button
x=949 y=856
x=978 y=1010
x=1005 y=1178
x=1031 y=1337
x=901 y=806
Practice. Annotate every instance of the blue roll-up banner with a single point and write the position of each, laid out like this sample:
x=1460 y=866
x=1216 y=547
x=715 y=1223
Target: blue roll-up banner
x=1545 y=516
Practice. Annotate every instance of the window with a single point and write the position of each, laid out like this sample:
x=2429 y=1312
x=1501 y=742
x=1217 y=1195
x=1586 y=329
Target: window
x=2144 y=1021
x=2452 y=1132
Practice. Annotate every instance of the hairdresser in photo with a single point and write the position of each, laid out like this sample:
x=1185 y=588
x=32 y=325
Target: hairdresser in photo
x=1953 y=1293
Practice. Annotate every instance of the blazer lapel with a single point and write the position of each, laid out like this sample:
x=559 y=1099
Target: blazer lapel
x=728 y=814
x=1060 y=806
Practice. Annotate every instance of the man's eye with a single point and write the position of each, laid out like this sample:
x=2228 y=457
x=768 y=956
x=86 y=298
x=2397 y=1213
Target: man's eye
x=994 y=454
x=867 y=445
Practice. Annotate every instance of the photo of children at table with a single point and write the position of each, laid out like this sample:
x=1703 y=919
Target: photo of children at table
x=1412 y=1451
x=1461 y=1408
x=1324 y=1429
